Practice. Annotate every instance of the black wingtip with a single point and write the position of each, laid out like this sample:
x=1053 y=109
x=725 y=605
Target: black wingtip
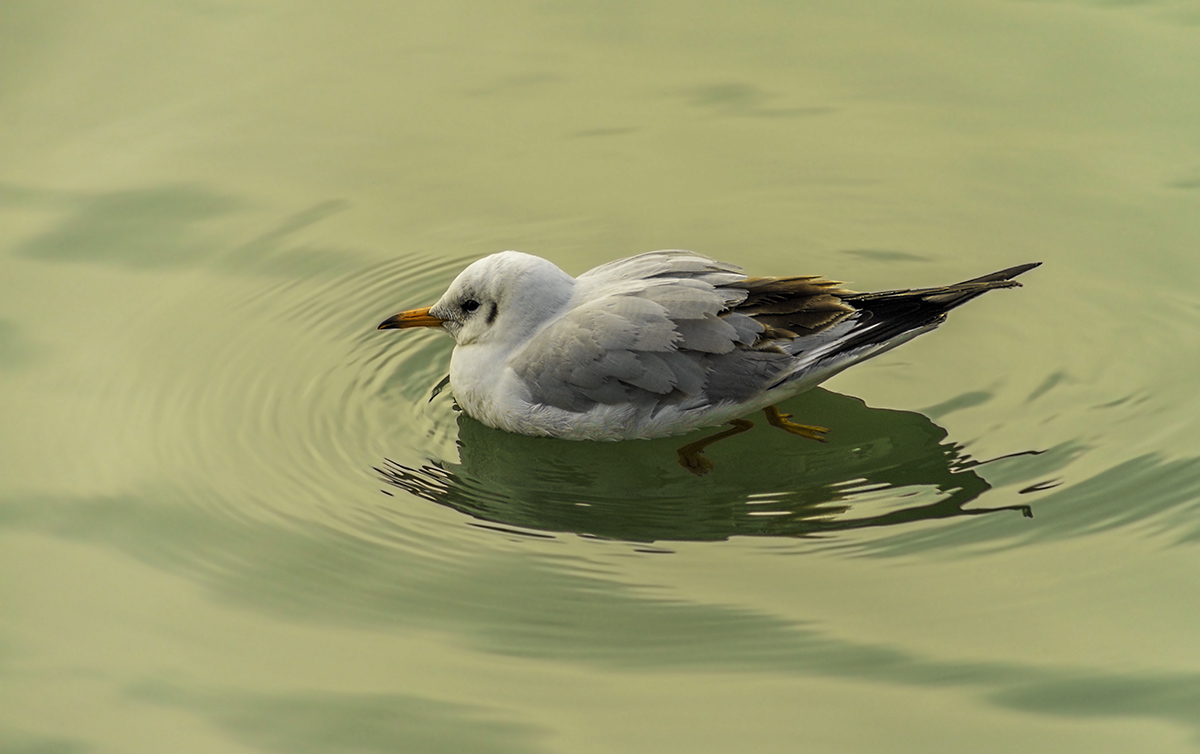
x=1006 y=274
x=1021 y=269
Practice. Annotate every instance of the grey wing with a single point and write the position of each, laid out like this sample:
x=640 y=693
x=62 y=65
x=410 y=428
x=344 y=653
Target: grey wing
x=654 y=329
x=668 y=264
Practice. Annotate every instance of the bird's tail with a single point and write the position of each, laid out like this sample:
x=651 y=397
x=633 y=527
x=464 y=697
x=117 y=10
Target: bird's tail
x=945 y=297
x=885 y=317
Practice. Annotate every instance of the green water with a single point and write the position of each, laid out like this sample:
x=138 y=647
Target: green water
x=236 y=518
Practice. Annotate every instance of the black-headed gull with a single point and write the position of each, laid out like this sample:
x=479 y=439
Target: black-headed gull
x=661 y=343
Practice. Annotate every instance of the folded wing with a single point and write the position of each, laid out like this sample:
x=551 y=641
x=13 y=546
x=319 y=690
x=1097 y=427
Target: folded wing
x=672 y=327
x=678 y=328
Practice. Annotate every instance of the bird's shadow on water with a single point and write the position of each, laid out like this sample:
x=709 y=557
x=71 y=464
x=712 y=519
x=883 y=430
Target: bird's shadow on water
x=880 y=468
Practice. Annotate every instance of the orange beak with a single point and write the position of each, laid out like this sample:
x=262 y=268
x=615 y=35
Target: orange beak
x=411 y=318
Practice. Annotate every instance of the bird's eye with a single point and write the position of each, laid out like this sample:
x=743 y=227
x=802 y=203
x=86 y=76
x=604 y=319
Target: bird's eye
x=470 y=305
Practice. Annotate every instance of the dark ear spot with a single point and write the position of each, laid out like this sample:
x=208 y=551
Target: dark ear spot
x=491 y=317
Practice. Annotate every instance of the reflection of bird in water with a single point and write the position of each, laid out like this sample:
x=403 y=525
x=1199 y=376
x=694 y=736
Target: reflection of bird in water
x=880 y=468
x=662 y=343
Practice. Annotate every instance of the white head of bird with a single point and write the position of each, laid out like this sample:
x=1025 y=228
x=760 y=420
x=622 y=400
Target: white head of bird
x=502 y=297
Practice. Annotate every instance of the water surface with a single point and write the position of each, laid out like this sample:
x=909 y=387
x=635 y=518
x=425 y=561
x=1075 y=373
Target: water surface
x=235 y=517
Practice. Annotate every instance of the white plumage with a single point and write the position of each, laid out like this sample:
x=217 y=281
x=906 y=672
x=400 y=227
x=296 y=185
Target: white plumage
x=658 y=344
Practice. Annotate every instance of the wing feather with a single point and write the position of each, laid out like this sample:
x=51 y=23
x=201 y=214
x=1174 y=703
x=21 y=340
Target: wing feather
x=643 y=333
x=712 y=334
x=670 y=263
x=677 y=327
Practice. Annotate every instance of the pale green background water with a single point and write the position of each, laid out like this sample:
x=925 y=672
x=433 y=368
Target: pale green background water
x=207 y=206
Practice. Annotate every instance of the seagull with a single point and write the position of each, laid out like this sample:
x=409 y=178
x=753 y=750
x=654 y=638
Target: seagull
x=662 y=343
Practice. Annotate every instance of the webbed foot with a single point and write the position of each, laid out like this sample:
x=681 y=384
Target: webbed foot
x=691 y=456
x=776 y=418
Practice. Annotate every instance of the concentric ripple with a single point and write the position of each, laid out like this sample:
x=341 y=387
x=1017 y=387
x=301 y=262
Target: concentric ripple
x=280 y=400
x=304 y=406
x=268 y=400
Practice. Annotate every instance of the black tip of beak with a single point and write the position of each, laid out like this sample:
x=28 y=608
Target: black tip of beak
x=411 y=318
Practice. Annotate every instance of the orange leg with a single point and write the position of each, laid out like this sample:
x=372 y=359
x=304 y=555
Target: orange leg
x=691 y=456
x=777 y=419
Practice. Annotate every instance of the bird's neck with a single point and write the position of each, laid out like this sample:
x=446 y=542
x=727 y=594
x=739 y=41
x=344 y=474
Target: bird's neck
x=478 y=375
